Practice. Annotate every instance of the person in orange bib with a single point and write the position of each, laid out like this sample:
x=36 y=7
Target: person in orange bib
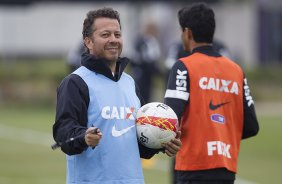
x=212 y=100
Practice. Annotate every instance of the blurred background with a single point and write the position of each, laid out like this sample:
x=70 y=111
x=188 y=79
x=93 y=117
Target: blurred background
x=40 y=43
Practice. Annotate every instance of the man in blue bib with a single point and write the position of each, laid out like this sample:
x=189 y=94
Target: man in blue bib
x=100 y=95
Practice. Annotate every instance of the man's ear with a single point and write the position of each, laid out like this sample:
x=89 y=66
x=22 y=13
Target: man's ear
x=189 y=33
x=88 y=42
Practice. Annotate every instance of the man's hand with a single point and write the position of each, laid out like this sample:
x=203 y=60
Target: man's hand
x=92 y=136
x=172 y=147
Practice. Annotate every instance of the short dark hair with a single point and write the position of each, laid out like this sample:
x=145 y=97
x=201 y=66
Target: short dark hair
x=199 y=18
x=93 y=15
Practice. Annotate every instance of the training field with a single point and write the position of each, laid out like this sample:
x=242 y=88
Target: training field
x=29 y=89
x=26 y=156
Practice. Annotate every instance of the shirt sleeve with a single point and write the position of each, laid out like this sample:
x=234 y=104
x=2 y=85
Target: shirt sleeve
x=71 y=114
x=138 y=93
x=177 y=91
x=251 y=126
x=148 y=153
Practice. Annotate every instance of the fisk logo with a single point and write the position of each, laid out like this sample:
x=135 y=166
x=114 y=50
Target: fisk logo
x=248 y=96
x=219 y=148
x=181 y=78
x=118 y=112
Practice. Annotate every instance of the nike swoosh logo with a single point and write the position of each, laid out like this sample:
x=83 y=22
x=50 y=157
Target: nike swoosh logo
x=214 y=107
x=117 y=133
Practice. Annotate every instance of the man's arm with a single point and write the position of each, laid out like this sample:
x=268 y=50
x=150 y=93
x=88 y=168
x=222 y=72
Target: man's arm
x=177 y=96
x=251 y=126
x=71 y=114
x=177 y=92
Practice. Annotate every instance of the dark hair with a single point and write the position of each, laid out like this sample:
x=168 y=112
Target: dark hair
x=93 y=15
x=199 y=18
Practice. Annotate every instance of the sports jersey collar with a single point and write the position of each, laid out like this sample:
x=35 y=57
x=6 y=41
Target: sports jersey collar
x=207 y=50
x=99 y=65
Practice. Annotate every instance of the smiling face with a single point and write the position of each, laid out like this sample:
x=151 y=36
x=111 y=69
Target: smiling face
x=106 y=40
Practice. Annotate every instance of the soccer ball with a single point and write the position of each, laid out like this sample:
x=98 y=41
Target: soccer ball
x=156 y=124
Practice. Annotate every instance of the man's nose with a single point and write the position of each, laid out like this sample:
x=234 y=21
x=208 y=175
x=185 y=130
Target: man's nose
x=113 y=38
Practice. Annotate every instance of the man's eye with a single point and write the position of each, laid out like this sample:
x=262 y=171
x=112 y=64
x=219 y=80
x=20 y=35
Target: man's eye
x=117 y=35
x=105 y=35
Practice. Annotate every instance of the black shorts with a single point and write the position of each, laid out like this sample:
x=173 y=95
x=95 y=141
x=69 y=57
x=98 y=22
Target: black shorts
x=212 y=176
x=206 y=182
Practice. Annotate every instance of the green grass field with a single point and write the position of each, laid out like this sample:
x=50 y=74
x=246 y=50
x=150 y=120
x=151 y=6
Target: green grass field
x=27 y=110
x=26 y=157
